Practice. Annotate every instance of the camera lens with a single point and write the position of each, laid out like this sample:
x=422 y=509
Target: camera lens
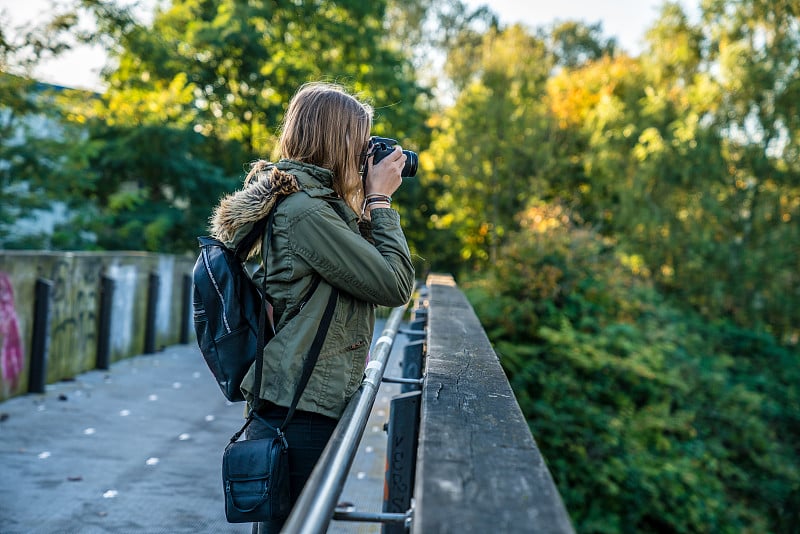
x=410 y=168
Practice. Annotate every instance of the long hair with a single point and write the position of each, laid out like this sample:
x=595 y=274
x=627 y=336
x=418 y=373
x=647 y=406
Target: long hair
x=328 y=127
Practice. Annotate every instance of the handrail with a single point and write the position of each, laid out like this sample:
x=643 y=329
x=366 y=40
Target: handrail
x=315 y=507
x=478 y=468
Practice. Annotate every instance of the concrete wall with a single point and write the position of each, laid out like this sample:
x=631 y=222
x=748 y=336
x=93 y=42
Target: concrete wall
x=75 y=309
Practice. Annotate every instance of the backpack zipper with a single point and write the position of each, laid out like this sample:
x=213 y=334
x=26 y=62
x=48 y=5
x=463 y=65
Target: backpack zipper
x=216 y=287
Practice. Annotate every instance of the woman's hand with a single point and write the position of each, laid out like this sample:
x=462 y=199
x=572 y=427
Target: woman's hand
x=384 y=178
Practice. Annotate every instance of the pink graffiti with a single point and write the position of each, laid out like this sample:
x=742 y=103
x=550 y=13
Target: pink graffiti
x=11 y=353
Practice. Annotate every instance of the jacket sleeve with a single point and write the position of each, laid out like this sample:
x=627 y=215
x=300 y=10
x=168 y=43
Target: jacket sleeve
x=379 y=272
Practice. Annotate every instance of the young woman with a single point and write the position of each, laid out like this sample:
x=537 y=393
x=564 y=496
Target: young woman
x=330 y=228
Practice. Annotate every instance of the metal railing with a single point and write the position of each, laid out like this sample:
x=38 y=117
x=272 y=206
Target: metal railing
x=316 y=505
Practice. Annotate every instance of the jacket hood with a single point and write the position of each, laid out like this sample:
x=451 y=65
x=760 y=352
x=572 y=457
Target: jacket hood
x=238 y=211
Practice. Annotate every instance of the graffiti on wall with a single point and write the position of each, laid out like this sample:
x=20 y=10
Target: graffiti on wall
x=11 y=351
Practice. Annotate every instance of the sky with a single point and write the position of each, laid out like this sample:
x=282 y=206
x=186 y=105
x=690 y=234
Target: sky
x=626 y=20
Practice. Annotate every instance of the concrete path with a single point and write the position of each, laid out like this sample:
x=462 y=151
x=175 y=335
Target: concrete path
x=138 y=449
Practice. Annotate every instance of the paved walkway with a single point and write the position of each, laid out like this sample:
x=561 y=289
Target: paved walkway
x=138 y=449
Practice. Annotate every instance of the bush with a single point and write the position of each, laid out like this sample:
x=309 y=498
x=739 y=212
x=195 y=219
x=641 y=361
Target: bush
x=650 y=418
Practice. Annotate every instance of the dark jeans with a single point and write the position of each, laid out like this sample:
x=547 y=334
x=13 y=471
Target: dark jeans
x=307 y=434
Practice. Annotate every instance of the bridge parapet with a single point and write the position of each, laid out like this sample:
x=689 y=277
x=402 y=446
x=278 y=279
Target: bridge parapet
x=478 y=467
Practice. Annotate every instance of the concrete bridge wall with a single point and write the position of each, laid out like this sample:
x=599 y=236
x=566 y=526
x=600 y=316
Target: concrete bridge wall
x=75 y=309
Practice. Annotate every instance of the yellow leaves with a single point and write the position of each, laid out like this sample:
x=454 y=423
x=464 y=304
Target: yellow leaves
x=628 y=130
x=443 y=221
x=543 y=218
x=570 y=102
x=573 y=94
x=732 y=62
x=787 y=206
x=635 y=263
x=79 y=105
x=163 y=102
x=650 y=143
x=427 y=162
x=685 y=132
x=704 y=95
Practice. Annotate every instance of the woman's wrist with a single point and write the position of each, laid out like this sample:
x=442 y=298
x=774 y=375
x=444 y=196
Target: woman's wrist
x=369 y=205
x=374 y=197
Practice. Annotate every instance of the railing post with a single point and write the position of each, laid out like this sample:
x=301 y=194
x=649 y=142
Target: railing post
x=412 y=364
x=40 y=344
x=186 y=309
x=413 y=351
x=152 y=308
x=107 y=286
x=401 y=457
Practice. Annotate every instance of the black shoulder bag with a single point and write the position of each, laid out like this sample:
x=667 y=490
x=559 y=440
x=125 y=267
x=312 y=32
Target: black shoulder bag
x=255 y=473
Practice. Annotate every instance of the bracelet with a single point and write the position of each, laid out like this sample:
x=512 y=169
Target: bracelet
x=380 y=204
x=371 y=201
x=385 y=198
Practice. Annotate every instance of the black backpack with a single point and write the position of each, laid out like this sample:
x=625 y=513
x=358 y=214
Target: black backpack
x=227 y=308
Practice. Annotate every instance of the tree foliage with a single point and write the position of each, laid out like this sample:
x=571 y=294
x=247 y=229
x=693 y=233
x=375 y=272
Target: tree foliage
x=201 y=90
x=667 y=151
x=650 y=335
x=482 y=148
x=626 y=224
x=651 y=419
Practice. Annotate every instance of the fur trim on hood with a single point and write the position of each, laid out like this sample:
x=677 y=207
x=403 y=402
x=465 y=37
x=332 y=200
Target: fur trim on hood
x=262 y=187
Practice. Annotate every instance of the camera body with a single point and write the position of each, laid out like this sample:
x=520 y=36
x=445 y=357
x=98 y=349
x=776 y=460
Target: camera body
x=380 y=147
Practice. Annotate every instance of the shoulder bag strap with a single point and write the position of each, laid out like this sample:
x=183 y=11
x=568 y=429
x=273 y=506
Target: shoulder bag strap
x=313 y=353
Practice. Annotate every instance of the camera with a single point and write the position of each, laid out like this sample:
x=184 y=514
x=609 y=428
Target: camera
x=383 y=146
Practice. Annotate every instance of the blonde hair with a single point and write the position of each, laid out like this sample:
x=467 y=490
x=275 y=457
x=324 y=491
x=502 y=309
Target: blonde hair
x=328 y=127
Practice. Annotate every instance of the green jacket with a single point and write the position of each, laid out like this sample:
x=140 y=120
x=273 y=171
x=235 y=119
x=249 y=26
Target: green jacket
x=316 y=233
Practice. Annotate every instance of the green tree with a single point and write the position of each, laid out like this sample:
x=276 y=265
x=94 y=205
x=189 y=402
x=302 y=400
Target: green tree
x=201 y=90
x=573 y=44
x=243 y=62
x=698 y=175
x=755 y=45
x=35 y=145
x=483 y=146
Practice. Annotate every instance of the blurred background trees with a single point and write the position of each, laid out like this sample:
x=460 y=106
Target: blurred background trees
x=625 y=226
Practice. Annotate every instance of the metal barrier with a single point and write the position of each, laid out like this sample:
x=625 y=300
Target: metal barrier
x=316 y=505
